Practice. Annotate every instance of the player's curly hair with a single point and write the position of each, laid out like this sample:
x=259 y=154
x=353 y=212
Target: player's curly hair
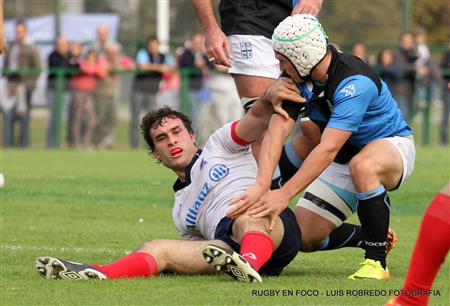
x=157 y=117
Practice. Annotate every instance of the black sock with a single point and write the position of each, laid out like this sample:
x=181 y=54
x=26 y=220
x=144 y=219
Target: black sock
x=345 y=236
x=373 y=212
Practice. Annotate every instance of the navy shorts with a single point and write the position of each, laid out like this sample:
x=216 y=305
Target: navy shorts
x=282 y=256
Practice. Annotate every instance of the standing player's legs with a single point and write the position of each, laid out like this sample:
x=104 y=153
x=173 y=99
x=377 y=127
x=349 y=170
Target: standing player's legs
x=326 y=203
x=432 y=246
x=151 y=258
x=380 y=166
x=254 y=68
x=250 y=88
x=330 y=200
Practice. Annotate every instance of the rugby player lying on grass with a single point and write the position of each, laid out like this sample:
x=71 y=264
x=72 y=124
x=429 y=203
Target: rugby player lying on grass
x=207 y=180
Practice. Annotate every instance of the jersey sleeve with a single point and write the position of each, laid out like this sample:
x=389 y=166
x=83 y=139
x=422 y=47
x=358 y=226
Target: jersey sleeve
x=226 y=140
x=350 y=102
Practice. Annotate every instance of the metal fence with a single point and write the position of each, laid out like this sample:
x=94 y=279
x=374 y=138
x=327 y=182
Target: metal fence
x=177 y=97
x=130 y=100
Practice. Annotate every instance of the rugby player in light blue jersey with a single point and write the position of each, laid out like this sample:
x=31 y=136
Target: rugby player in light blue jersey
x=366 y=146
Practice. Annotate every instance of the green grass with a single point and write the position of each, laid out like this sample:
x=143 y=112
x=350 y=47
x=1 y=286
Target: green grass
x=86 y=206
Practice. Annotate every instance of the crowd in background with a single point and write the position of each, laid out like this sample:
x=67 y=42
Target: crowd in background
x=94 y=72
x=412 y=75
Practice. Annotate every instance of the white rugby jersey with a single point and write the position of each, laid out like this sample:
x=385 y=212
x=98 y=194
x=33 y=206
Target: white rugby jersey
x=218 y=173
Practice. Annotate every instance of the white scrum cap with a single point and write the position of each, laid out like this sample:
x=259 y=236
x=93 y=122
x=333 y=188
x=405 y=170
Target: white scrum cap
x=302 y=40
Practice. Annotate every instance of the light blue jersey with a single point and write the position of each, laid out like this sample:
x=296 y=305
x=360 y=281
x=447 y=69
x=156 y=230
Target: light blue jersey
x=359 y=103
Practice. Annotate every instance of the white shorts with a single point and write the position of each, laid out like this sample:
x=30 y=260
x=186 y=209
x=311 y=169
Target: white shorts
x=333 y=196
x=253 y=55
x=407 y=150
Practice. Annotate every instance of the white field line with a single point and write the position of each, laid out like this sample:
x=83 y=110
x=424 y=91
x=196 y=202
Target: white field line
x=43 y=248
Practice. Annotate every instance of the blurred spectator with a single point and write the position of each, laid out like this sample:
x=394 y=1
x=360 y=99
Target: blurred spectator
x=428 y=75
x=170 y=85
x=151 y=64
x=423 y=58
x=75 y=51
x=2 y=33
x=102 y=42
x=13 y=106
x=59 y=58
x=445 y=64
x=194 y=57
x=386 y=69
x=224 y=105
x=359 y=50
x=83 y=86
x=23 y=55
x=105 y=96
x=405 y=58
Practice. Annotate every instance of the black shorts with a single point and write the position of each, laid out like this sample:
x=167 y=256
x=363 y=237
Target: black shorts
x=282 y=256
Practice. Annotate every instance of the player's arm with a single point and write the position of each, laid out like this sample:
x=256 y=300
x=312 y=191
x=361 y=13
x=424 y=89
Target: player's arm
x=274 y=202
x=320 y=158
x=272 y=144
x=279 y=129
x=216 y=43
x=280 y=126
x=254 y=123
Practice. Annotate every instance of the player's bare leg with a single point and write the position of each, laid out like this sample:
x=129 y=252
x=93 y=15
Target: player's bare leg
x=151 y=258
x=308 y=140
x=246 y=223
x=319 y=233
x=314 y=229
x=257 y=244
x=180 y=256
x=370 y=169
x=378 y=167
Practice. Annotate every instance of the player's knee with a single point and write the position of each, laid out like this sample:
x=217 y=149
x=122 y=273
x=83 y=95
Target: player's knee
x=312 y=238
x=361 y=167
x=311 y=133
x=154 y=247
x=245 y=223
x=310 y=245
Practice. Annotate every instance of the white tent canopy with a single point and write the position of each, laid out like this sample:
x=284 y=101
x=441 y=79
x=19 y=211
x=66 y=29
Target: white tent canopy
x=75 y=26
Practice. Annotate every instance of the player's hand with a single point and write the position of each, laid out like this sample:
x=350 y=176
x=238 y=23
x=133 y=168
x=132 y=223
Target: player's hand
x=245 y=200
x=217 y=47
x=312 y=7
x=271 y=204
x=282 y=89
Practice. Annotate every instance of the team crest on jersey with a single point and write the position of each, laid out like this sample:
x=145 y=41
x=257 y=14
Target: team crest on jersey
x=218 y=172
x=349 y=90
x=246 y=49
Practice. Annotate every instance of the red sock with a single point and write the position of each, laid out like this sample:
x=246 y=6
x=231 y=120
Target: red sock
x=136 y=264
x=431 y=247
x=256 y=248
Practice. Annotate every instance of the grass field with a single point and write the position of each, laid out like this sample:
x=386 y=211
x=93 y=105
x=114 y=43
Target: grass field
x=86 y=206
